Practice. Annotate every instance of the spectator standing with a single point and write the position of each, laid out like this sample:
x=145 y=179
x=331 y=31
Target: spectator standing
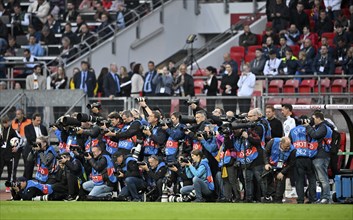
x=246 y=86
x=229 y=87
x=149 y=87
x=112 y=82
x=125 y=82
x=86 y=80
x=272 y=65
x=211 y=86
x=275 y=123
x=137 y=81
x=36 y=81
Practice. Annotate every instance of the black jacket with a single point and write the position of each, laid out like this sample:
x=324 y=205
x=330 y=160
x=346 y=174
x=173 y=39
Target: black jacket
x=212 y=89
x=90 y=82
x=231 y=80
x=31 y=134
x=5 y=137
x=318 y=133
x=133 y=130
x=110 y=86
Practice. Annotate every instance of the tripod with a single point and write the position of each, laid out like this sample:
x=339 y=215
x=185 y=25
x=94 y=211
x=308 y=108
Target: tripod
x=192 y=59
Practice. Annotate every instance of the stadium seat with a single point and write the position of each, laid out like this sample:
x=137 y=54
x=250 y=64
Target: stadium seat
x=339 y=85
x=307 y=86
x=289 y=101
x=338 y=70
x=324 y=83
x=346 y=12
x=274 y=101
x=200 y=72
x=249 y=57
x=304 y=101
x=275 y=86
x=351 y=86
x=295 y=49
x=237 y=53
x=291 y=86
x=259 y=38
x=198 y=86
x=308 y=12
x=174 y=107
x=252 y=49
x=329 y=35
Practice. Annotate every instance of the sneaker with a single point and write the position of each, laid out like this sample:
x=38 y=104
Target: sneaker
x=293 y=193
x=266 y=199
x=324 y=201
x=71 y=198
x=8 y=190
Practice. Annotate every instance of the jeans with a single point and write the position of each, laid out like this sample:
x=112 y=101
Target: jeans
x=201 y=188
x=219 y=185
x=98 y=191
x=321 y=165
x=231 y=184
x=304 y=167
x=249 y=187
x=132 y=186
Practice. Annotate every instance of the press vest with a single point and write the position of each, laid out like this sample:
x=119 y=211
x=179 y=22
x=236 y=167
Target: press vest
x=43 y=171
x=277 y=154
x=300 y=142
x=250 y=155
x=151 y=147
x=46 y=189
x=97 y=177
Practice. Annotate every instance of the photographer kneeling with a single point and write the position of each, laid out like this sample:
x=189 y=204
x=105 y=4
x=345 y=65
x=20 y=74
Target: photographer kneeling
x=103 y=178
x=202 y=177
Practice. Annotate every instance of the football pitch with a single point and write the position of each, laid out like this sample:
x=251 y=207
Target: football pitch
x=155 y=211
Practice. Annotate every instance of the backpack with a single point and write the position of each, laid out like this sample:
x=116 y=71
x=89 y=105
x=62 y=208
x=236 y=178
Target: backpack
x=335 y=142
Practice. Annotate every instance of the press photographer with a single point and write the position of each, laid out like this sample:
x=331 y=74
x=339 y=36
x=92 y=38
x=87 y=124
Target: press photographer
x=262 y=127
x=180 y=179
x=29 y=190
x=155 y=136
x=95 y=109
x=279 y=159
x=201 y=175
x=115 y=125
x=128 y=170
x=128 y=135
x=247 y=145
x=45 y=158
x=175 y=131
x=102 y=177
x=73 y=173
x=321 y=137
x=213 y=117
x=154 y=174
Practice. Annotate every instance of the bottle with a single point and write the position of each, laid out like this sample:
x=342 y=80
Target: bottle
x=318 y=191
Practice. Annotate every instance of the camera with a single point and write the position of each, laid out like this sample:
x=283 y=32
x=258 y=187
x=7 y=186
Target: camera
x=145 y=127
x=110 y=129
x=304 y=121
x=137 y=149
x=176 y=198
x=225 y=129
x=59 y=157
x=35 y=144
x=185 y=160
x=185 y=119
x=171 y=164
x=13 y=184
x=192 y=101
x=94 y=105
x=202 y=133
x=141 y=163
x=190 y=197
x=189 y=127
x=70 y=121
x=86 y=154
x=166 y=121
x=82 y=117
x=140 y=99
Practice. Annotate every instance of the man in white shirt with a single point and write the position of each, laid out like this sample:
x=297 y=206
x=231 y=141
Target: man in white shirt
x=289 y=123
x=246 y=86
x=271 y=65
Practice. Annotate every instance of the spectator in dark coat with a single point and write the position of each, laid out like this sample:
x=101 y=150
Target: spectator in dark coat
x=247 y=38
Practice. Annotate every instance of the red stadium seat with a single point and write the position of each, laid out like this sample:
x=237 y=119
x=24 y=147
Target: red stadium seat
x=237 y=53
x=339 y=85
x=308 y=12
x=324 y=83
x=275 y=86
x=351 y=86
x=274 y=101
x=259 y=38
x=346 y=12
x=198 y=86
x=200 y=72
x=307 y=86
x=304 y=101
x=289 y=101
x=338 y=70
x=252 y=49
x=249 y=57
x=295 y=49
x=291 y=86
x=174 y=107
x=329 y=35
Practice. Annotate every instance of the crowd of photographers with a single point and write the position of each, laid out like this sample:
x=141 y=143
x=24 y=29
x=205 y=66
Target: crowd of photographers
x=139 y=155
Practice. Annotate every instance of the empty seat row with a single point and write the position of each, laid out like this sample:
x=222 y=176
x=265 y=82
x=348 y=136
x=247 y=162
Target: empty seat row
x=297 y=101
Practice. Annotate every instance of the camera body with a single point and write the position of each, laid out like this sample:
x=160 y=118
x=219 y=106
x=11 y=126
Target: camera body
x=305 y=121
x=13 y=184
x=166 y=121
x=86 y=154
x=94 y=105
x=185 y=160
x=145 y=127
x=141 y=163
x=192 y=101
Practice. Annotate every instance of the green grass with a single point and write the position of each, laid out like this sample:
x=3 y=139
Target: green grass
x=155 y=211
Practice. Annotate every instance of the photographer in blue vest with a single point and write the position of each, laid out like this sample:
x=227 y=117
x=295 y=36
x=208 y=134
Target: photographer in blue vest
x=320 y=138
x=304 y=168
x=201 y=175
x=128 y=134
x=128 y=173
x=29 y=190
x=154 y=175
x=102 y=176
x=45 y=158
x=280 y=159
x=155 y=136
x=175 y=134
x=116 y=124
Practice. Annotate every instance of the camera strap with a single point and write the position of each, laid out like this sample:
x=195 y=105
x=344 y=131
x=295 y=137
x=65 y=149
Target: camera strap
x=7 y=137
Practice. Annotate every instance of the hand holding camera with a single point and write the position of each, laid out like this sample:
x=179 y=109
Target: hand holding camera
x=88 y=155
